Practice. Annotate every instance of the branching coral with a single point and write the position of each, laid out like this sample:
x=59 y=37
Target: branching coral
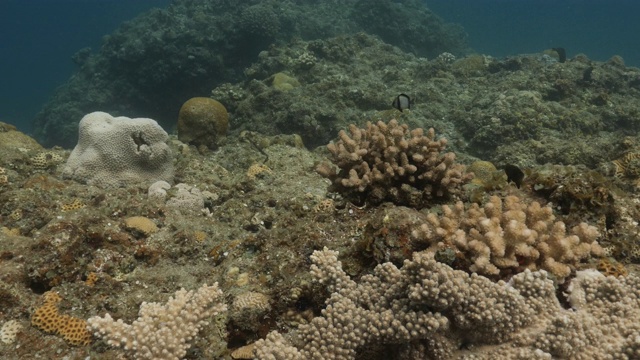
x=163 y=332
x=510 y=235
x=426 y=310
x=389 y=162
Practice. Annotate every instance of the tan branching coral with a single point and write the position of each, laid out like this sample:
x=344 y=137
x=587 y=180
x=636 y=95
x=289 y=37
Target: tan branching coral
x=163 y=332
x=389 y=162
x=509 y=235
x=426 y=310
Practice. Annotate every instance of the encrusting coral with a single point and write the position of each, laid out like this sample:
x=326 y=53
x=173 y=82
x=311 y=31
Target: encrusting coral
x=426 y=310
x=508 y=234
x=163 y=332
x=48 y=319
x=389 y=162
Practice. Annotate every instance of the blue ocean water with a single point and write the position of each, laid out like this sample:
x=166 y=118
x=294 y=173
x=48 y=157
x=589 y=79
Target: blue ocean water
x=38 y=37
x=597 y=28
x=37 y=40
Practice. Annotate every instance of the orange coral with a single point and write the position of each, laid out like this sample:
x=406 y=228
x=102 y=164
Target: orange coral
x=48 y=319
x=92 y=278
x=610 y=268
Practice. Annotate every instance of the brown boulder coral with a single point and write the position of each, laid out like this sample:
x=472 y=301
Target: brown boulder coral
x=202 y=121
x=390 y=162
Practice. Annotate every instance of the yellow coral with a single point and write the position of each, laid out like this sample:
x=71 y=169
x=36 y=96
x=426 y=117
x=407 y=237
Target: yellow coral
x=611 y=268
x=628 y=166
x=74 y=205
x=325 y=206
x=284 y=82
x=140 y=224
x=199 y=236
x=48 y=319
x=482 y=171
x=4 y=179
x=46 y=159
x=16 y=214
x=257 y=169
x=10 y=232
x=92 y=278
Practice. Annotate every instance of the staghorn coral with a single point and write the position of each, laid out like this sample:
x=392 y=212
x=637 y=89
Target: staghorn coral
x=389 y=162
x=508 y=234
x=162 y=331
x=426 y=310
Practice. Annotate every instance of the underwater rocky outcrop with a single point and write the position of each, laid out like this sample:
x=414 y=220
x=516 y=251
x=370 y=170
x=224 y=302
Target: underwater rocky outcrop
x=150 y=65
x=525 y=110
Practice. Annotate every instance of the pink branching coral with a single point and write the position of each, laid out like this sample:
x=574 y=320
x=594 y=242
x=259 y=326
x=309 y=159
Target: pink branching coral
x=389 y=162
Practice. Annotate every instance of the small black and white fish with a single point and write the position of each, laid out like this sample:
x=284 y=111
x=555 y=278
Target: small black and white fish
x=514 y=174
x=562 y=54
x=402 y=102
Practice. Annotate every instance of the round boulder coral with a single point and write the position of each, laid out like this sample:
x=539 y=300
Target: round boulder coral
x=202 y=121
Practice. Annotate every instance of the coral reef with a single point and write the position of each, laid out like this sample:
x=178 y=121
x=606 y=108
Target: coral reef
x=389 y=162
x=202 y=122
x=119 y=151
x=249 y=213
x=426 y=310
x=509 y=235
x=404 y=24
x=511 y=111
x=151 y=64
x=162 y=332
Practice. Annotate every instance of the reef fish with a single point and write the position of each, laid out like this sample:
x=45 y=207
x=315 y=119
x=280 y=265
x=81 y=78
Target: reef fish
x=402 y=102
x=514 y=174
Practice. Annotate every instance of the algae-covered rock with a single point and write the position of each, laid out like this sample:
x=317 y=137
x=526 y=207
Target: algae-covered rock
x=284 y=82
x=14 y=145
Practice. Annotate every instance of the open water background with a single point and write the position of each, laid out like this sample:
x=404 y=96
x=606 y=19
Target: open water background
x=38 y=37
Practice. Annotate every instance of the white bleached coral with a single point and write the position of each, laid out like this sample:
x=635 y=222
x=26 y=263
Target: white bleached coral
x=119 y=151
x=162 y=332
